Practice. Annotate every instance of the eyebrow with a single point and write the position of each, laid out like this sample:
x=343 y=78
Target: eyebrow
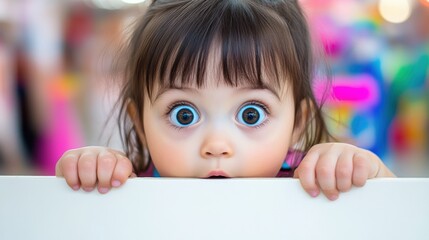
x=191 y=89
x=166 y=89
x=265 y=87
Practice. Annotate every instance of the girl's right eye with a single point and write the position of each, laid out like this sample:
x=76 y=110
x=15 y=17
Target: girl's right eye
x=183 y=116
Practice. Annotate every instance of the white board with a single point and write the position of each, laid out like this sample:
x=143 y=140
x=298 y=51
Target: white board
x=162 y=208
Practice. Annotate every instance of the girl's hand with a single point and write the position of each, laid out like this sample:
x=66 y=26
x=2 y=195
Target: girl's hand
x=336 y=167
x=89 y=167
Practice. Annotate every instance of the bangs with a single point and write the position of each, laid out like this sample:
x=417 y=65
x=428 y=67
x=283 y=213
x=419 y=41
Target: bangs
x=253 y=44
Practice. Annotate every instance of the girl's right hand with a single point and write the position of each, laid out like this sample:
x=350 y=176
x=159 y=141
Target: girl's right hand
x=91 y=167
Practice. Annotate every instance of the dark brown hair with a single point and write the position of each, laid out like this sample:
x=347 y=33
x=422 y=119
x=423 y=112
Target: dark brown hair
x=170 y=46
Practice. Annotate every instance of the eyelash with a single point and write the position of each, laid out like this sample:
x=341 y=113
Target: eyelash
x=259 y=104
x=176 y=104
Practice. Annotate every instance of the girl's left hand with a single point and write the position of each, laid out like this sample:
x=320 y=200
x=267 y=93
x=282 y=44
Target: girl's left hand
x=336 y=167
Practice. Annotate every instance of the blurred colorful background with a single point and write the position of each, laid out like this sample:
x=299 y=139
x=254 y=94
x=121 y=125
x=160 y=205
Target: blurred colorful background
x=55 y=92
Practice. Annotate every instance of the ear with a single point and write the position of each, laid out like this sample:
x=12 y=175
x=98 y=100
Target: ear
x=301 y=121
x=136 y=119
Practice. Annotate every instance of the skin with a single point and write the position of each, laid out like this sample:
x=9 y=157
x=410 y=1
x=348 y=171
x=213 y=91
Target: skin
x=220 y=143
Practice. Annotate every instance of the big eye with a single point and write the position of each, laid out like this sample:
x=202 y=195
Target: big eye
x=251 y=115
x=184 y=116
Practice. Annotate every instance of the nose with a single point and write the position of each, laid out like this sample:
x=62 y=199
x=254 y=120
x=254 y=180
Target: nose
x=216 y=147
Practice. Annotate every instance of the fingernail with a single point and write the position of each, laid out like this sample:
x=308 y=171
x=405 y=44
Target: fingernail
x=116 y=183
x=76 y=187
x=88 y=189
x=103 y=190
x=314 y=193
x=333 y=197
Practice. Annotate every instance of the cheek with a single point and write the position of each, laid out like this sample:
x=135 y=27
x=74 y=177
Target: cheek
x=266 y=159
x=171 y=158
x=266 y=154
x=160 y=148
x=165 y=156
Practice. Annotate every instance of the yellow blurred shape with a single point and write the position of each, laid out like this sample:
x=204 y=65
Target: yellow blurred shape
x=395 y=11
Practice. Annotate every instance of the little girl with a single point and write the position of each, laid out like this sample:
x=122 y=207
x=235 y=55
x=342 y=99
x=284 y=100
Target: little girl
x=222 y=88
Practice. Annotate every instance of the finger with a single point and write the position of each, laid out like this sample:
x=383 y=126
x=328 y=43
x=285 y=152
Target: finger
x=344 y=172
x=105 y=166
x=361 y=169
x=67 y=167
x=376 y=165
x=123 y=170
x=325 y=174
x=306 y=173
x=87 y=170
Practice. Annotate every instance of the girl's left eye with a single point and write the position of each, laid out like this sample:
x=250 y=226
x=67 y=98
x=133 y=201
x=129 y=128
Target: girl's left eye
x=252 y=115
x=184 y=116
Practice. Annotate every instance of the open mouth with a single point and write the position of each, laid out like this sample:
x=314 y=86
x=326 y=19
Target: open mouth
x=217 y=177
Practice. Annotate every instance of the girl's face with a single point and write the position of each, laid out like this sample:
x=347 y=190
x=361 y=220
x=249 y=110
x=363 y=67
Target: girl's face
x=219 y=130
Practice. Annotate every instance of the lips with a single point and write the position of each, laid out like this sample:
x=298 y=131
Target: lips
x=217 y=174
